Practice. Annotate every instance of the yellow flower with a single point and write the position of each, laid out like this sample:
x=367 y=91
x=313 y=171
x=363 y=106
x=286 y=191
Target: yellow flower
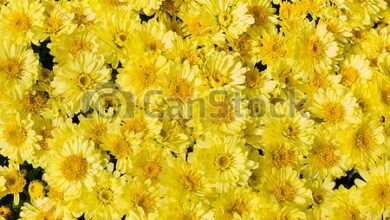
x=73 y=167
x=363 y=144
x=41 y=208
x=66 y=48
x=142 y=74
x=14 y=181
x=22 y=21
x=36 y=189
x=222 y=71
x=106 y=199
x=184 y=180
x=117 y=26
x=17 y=137
x=144 y=199
x=346 y=204
x=186 y=209
x=284 y=187
x=224 y=161
x=74 y=80
x=334 y=106
x=18 y=68
x=232 y=17
x=315 y=48
x=354 y=69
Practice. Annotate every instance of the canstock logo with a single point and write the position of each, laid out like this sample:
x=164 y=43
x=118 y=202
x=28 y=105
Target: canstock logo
x=112 y=103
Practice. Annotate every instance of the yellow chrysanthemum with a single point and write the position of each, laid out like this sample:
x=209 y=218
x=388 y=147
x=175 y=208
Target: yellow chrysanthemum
x=22 y=21
x=18 y=139
x=18 y=68
x=224 y=161
x=14 y=181
x=74 y=80
x=73 y=167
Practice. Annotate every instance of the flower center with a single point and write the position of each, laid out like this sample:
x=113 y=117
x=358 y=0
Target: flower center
x=15 y=182
x=290 y=130
x=383 y=193
x=48 y=215
x=15 y=135
x=105 y=196
x=334 y=112
x=318 y=197
x=120 y=39
x=364 y=140
x=12 y=68
x=252 y=79
x=258 y=14
x=21 y=22
x=282 y=157
x=33 y=103
x=154 y=45
x=80 y=46
x=74 y=168
x=223 y=161
x=222 y=114
x=324 y=155
x=53 y=24
x=85 y=81
x=152 y=169
x=350 y=75
x=352 y=213
x=224 y=19
x=180 y=88
x=386 y=95
x=283 y=192
x=216 y=79
x=134 y=124
x=144 y=200
x=239 y=206
x=190 y=181
x=315 y=49
x=148 y=75
x=121 y=149
x=318 y=81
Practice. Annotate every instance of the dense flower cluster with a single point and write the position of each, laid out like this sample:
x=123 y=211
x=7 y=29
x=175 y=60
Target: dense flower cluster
x=195 y=109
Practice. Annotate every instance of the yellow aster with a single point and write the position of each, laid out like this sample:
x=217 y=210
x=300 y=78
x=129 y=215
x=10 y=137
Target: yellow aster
x=41 y=208
x=363 y=143
x=18 y=139
x=232 y=17
x=355 y=69
x=238 y=203
x=74 y=80
x=184 y=49
x=106 y=199
x=285 y=188
x=114 y=31
x=173 y=137
x=142 y=74
x=151 y=37
x=273 y=48
x=315 y=48
x=184 y=180
x=281 y=155
x=73 y=167
x=22 y=21
x=149 y=163
x=58 y=18
x=14 y=181
x=83 y=13
x=285 y=124
x=222 y=71
x=144 y=199
x=186 y=209
x=224 y=161
x=334 y=106
x=325 y=158
x=248 y=47
x=376 y=189
x=263 y=14
x=19 y=68
x=68 y=47
x=122 y=146
x=322 y=192
x=347 y=204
